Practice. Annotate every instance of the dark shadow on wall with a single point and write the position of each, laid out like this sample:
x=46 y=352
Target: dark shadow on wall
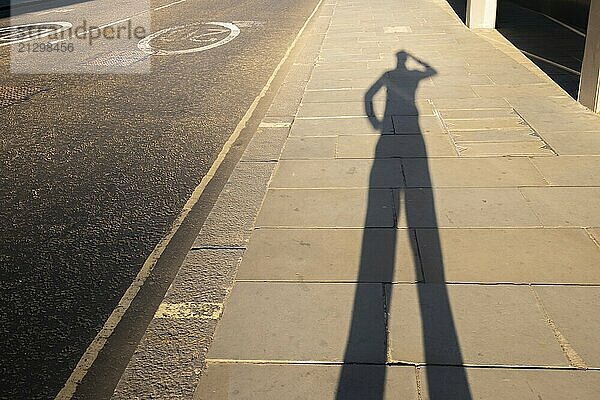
x=553 y=47
x=460 y=8
x=366 y=342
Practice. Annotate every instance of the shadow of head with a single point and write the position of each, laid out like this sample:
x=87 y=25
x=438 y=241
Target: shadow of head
x=400 y=88
x=409 y=63
x=401 y=58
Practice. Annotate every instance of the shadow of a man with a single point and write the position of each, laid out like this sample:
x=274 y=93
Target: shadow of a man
x=401 y=86
x=440 y=341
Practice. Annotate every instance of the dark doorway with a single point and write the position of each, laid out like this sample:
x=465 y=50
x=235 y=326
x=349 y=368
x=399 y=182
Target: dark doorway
x=554 y=45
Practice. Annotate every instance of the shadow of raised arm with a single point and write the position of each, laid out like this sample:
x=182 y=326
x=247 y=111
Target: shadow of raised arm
x=429 y=70
x=369 y=110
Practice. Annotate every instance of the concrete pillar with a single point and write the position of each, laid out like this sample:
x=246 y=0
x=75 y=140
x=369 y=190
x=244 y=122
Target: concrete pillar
x=589 y=85
x=481 y=13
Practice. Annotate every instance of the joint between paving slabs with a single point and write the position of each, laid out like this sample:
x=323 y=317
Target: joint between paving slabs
x=533 y=210
x=397 y=363
x=591 y=235
x=269 y=161
x=386 y=317
x=419 y=383
x=530 y=159
x=217 y=247
x=413 y=232
x=546 y=144
x=575 y=360
x=436 y=112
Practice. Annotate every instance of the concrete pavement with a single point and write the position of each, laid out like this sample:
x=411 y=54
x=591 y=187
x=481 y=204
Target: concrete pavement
x=423 y=225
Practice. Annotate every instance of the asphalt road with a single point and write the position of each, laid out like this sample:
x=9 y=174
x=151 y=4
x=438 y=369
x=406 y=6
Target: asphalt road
x=95 y=167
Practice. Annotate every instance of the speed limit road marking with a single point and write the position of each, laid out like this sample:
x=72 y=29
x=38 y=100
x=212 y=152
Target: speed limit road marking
x=192 y=38
x=22 y=33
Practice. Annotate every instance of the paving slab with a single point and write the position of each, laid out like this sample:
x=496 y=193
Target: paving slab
x=512 y=78
x=563 y=122
x=171 y=352
x=464 y=207
x=224 y=381
x=528 y=255
x=518 y=90
x=527 y=105
x=495 y=325
x=211 y=269
x=300 y=322
x=565 y=206
x=466 y=79
x=337 y=126
x=299 y=148
x=508 y=383
x=363 y=84
x=231 y=219
x=569 y=170
x=575 y=311
x=301 y=70
x=569 y=143
x=348 y=65
x=287 y=99
x=469 y=113
x=594 y=234
x=348 y=74
x=448 y=71
x=349 y=255
x=340 y=109
x=471 y=172
x=446 y=92
x=309 y=208
x=470 y=103
x=338 y=173
x=485 y=123
x=386 y=146
x=496 y=149
x=266 y=144
x=522 y=134
x=410 y=125
x=339 y=96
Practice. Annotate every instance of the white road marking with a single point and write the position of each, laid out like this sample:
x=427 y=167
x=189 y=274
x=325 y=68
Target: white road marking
x=193 y=36
x=97 y=28
x=28 y=33
x=169 y=5
x=119 y=21
x=248 y=24
x=109 y=24
x=16 y=33
x=91 y=353
x=66 y=10
x=145 y=46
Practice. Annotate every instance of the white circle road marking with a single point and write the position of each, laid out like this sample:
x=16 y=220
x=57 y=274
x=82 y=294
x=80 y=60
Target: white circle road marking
x=22 y=33
x=234 y=31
